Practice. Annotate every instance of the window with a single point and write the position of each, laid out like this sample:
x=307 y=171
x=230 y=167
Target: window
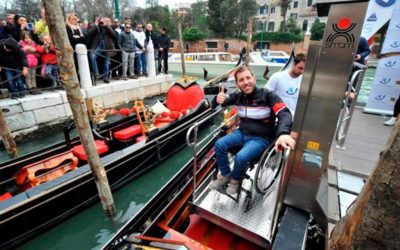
x=171 y=44
x=309 y=2
x=212 y=44
x=305 y=25
x=271 y=26
x=225 y=57
x=210 y=57
x=261 y=25
x=266 y=9
x=293 y=15
x=272 y=10
x=295 y=4
x=261 y=9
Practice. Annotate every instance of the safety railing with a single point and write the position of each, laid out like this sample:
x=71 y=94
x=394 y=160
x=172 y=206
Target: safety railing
x=349 y=104
x=86 y=76
x=194 y=129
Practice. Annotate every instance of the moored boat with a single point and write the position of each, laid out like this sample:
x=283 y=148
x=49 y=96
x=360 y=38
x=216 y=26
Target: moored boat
x=35 y=203
x=220 y=62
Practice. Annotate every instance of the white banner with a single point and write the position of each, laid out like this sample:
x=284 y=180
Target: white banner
x=378 y=13
x=384 y=90
x=392 y=39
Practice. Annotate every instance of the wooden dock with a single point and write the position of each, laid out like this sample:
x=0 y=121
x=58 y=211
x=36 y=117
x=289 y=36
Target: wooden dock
x=349 y=168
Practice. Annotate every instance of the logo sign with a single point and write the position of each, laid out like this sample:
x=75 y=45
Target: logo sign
x=395 y=45
x=292 y=91
x=372 y=18
x=341 y=38
x=385 y=3
x=390 y=64
x=313 y=145
x=380 y=97
x=385 y=81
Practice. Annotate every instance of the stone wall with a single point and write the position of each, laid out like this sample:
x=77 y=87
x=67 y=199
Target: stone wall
x=35 y=112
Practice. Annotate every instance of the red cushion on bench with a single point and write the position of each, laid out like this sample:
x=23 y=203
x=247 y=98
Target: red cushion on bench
x=127 y=133
x=79 y=152
x=5 y=196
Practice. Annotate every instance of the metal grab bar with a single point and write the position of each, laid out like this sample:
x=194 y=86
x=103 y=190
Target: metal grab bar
x=347 y=113
x=194 y=144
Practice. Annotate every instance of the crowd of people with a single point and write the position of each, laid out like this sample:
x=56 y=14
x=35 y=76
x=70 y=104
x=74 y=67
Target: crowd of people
x=28 y=56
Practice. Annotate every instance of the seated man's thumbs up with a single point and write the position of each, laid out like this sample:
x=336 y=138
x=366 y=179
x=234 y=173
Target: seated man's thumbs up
x=221 y=96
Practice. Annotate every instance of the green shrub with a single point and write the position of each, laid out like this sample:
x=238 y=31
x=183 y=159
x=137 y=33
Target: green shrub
x=278 y=37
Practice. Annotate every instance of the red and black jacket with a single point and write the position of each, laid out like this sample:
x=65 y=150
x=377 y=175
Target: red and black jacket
x=258 y=112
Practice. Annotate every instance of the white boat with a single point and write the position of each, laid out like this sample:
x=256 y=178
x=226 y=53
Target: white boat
x=275 y=56
x=217 y=63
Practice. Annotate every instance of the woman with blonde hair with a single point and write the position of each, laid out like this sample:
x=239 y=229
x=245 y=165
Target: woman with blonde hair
x=74 y=31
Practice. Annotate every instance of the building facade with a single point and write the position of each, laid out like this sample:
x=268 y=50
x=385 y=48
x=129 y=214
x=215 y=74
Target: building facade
x=270 y=19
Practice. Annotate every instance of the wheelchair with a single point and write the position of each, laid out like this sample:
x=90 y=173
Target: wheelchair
x=268 y=167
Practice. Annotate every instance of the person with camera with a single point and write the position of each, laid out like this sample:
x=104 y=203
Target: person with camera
x=101 y=37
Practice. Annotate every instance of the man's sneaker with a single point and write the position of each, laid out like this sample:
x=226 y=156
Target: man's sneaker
x=232 y=188
x=219 y=182
x=390 y=122
x=106 y=80
x=133 y=77
x=124 y=78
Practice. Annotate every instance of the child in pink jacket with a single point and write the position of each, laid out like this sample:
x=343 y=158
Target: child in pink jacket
x=29 y=46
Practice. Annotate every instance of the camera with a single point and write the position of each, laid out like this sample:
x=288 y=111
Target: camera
x=30 y=26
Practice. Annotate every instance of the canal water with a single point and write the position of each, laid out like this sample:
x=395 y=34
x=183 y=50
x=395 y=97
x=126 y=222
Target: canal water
x=90 y=229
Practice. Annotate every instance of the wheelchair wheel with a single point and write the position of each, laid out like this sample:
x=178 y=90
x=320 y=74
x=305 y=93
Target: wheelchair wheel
x=268 y=170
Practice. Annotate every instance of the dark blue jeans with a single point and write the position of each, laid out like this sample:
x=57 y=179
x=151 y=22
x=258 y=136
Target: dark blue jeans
x=252 y=147
x=106 y=67
x=15 y=81
x=143 y=63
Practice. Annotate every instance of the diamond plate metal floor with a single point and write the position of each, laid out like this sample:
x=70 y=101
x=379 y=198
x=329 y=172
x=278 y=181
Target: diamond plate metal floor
x=254 y=225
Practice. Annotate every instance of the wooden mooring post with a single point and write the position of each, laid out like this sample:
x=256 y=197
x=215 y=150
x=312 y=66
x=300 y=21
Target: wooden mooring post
x=5 y=134
x=69 y=78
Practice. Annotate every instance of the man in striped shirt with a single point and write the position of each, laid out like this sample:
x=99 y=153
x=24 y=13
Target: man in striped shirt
x=258 y=109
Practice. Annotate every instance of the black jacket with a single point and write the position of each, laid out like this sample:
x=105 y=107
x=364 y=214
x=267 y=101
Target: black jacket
x=153 y=37
x=164 y=41
x=12 y=59
x=258 y=113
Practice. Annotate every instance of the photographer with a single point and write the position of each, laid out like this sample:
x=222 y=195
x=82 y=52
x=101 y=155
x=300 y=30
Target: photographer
x=101 y=43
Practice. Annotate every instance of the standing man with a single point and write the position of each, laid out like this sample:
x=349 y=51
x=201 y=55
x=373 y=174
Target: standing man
x=163 y=41
x=140 y=61
x=101 y=38
x=258 y=110
x=226 y=46
x=286 y=84
x=128 y=44
x=116 y=60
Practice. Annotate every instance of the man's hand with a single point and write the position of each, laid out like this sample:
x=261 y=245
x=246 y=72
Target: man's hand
x=24 y=71
x=283 y=142
x=161 y=49
x=221 y=97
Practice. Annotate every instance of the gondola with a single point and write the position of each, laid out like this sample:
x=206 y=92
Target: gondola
x=126 y=148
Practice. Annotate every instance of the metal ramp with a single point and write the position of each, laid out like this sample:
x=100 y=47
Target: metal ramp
x=256 y=225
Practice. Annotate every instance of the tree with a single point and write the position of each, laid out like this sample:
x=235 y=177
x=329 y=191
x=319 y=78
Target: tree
x=152 y=3
x=198 y=17
x=317 y=30
x=246 y=9
x=30 y=8
x=373 y=221
x=193 y=35
x=285 y=6
x=69 y=79
x=291 y=26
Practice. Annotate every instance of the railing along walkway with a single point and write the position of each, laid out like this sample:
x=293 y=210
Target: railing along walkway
x=366 y=138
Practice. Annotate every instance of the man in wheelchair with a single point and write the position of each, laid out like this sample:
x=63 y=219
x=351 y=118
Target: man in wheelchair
x=257 y=110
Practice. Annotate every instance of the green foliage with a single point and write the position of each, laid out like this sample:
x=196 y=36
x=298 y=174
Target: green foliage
x=317 y=30
x=291 y=26
x=193 y=35
x=285 y=6
x=278 y=37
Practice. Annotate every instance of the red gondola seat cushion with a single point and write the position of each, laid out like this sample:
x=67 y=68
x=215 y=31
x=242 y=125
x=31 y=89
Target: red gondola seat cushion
x=79 y=152
x=5 y=196
x=127 y=133
x=179 y=98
